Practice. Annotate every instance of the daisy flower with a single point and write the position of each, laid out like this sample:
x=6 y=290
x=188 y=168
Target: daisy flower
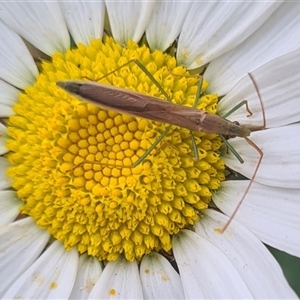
x=78 y=219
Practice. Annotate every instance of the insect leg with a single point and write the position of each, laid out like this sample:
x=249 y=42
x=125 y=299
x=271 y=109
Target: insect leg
x=233 y=151
x=152 y=146
x=196 y=102
x=249 y=185
x=263 y=126
x=225 y=141
x=260 y=152
x=236 y=107
x=143 y=68
x=198 y=93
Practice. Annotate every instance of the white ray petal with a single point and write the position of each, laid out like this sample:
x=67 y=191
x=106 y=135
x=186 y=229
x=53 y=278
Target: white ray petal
x=159 y=279
x=88 y=273
x=166 y=23
x=5 y=111
x=8 y=94
x=16 y=64
x=281 y=32
x=8 y=97
x=281 y=159
x=215 y=27
x=5 y=182
x=253 y=261
x=40 y=23
x=9 y=207
x=129 y=19
x=21 y=243
x=272 y=213
x=120 y=279
x=205 y=271
x=51 y=277
x=3 y=138
x=85 y=20
x=280 y=93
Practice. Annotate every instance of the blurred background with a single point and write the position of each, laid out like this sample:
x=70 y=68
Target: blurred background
x=290 y=266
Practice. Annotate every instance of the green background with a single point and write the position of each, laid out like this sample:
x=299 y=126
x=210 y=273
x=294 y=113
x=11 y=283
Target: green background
x=290 y=266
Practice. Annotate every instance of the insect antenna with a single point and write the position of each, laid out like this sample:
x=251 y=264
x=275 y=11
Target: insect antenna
x=263 y=126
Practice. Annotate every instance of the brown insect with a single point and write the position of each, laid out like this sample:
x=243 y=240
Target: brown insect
x=145 y=106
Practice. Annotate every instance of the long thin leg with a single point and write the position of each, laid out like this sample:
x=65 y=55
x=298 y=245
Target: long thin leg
x=198 y=93
x=235 y=108
x=249 y=185
x=152 y=146
x=263 y=126
x=142 y=67
x=196 y=102
x=260 y=152
x=233 y=151
x=238 y=106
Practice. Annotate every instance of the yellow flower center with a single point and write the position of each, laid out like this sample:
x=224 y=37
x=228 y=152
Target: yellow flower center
x=72 y=162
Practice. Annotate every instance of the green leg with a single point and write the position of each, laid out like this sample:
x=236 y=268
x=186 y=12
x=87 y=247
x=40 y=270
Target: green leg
x=232 y=149
x=142 y=67
x=196 y=102
x=152 y=146
x=238 y=106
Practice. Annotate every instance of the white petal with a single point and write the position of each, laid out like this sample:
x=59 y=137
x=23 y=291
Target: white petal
x=3 y=138
x=16 y=64
x=8 y=94
x=272 y=213
x=129 y=19
x=205 y=271
x=88 y=273
x=21 y=243
x=9 y=207
x=5 y=111
x=281 y=159
x=215 y=27
x=253 y=261
x=166 y=23
x=85 y=20
x=5 y=182
x=281 y=33
x=120 y=279
x=51 y=277
x=159 y=279
x=40 y=23
x=280 y=93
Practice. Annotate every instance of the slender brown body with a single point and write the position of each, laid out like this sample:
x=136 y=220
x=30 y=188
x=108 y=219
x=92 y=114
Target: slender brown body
x=144 y=106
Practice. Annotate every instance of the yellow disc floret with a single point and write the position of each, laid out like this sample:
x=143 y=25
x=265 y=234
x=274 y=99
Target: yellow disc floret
x=71 y=162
